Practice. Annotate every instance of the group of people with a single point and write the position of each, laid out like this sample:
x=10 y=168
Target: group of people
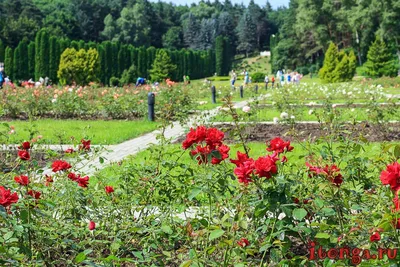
x=288 y=78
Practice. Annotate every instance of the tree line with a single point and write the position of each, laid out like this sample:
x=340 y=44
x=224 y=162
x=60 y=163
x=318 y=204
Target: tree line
x=41 y=58
x=307 y=27
x=140 y=23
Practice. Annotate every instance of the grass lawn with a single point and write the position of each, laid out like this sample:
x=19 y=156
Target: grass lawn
x=61 y=131
x=296 y=158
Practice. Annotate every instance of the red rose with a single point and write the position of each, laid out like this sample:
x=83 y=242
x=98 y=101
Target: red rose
x=214 y=137
x=224 y=153
x=195 y=136
x=296 y=200
x=265 y=167
x=49 y=180
x=243 y=242
x=391 y=176
x=279 y=146
x=242 y=157
x=25 y=145
x=34 y=194
x=284 y=159
x=85 y=145
x=60 y=165
x=92 y=225
x=24 y=155
x=6 y=198
x=73 y=176
x=331 y=172
x=201 y=154
x=245 y=171
x=83 y=181
x=109 y=189
x=69 y=150
x=375 y=237
x=22 y=180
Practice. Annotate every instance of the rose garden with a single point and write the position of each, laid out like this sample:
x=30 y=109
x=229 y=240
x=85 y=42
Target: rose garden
x=216 y=169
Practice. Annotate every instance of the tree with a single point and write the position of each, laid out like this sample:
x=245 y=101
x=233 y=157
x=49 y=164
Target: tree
x=191 y=28
x=20 y=68
x=172 y=39
x=380 y=61
x=80 y=66
x=341 y=72
x=53 y=58
x=247 y=33
x=219 y=55
x=8 y=62
x=162 y=66
x=41 y=54
x=327 y=72
x=31 y=60
x=2 y=51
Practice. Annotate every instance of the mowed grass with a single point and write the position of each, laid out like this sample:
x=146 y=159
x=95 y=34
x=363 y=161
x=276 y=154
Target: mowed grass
x=296 y=158
x=100 y=132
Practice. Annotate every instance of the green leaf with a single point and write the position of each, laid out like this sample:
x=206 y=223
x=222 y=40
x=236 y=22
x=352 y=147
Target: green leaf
x=396 y=151
x=138 y=254
x=194 y=192
x=101 y=160
x=323 y=235
x=8 y=235
x=299 y=214
x=186 y=263
x=216 y=233
x=211 y=249
x=328 y=211
x=166 y=229
x=80 y=257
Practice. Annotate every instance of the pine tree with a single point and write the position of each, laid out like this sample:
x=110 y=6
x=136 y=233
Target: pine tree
x=228 y=56
x=108 y=61
x=44 y=52
x=8 y=62
x=31 y=60
x=381 y=61
x=327 y=72
x=115 y=49
x=162 y=66
x=22 y=71
x=247 y=33
x=102 y=59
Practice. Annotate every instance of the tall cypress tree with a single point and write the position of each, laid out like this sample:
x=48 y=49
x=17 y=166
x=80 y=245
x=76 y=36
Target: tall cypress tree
x=102 y=59
x=381 y=61
x=16 y=70
x=38 y=55
x=8 y=62
x=114 y=70
x=31 y=60
x=2 y=51
x=44 y=51
x=108 y=61
x=53 y=66
x=151 y=55
x=142 y=62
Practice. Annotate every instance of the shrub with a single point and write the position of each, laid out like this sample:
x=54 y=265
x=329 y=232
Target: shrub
x=80 y=66
x=128 y=76
x=114 y=81
x=257 y=77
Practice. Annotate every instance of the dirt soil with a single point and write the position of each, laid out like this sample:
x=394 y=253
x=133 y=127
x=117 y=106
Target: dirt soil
x=302 y=132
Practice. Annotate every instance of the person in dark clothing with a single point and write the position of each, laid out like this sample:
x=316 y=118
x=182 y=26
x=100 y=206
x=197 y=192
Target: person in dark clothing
x=140 y=81
x=2 y=77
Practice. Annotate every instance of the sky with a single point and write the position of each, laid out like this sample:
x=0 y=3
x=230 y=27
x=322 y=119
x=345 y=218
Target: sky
x=274 y=3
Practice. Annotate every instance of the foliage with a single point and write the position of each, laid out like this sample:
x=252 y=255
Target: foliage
x=162 y=66
x=381 y=61
x=128 y=76
x=114 y=81
x=80 y=66
x=338 y=66
x=257 y=77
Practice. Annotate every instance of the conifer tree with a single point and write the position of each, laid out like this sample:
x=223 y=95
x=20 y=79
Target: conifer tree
x=8 y=62
x=327 y=72
x=381 y=61
x=31 y=60
x=219 y=55
x=53 y=66
x=2 y=51
x=162 y=66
